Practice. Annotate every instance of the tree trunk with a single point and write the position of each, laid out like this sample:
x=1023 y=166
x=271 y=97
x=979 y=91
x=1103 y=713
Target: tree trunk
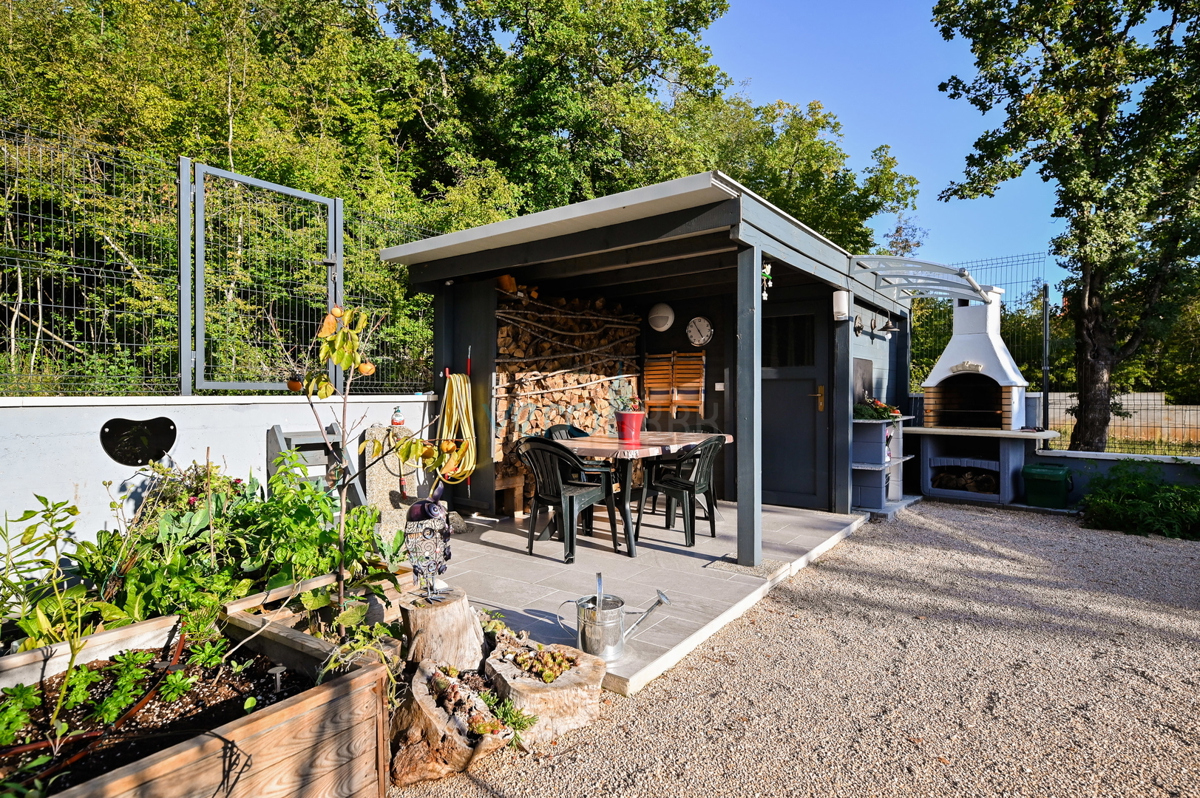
x=1094 y=360
x=446 y=632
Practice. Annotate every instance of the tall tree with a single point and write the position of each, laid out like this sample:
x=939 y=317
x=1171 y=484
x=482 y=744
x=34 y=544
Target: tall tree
x=564 y=96
x=792 y=156
x=1102 y=98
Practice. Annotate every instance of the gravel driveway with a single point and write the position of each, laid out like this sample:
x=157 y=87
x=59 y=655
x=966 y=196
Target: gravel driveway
x=955 y=651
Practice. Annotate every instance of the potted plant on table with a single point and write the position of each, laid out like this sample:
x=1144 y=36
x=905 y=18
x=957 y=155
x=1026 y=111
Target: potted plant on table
x=630 y=415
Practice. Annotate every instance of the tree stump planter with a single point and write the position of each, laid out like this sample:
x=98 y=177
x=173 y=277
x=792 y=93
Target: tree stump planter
x=446 y=631
x=571 y=701
x=432 y=743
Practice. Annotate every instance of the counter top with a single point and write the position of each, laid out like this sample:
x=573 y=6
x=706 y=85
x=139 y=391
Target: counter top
x=968 y=432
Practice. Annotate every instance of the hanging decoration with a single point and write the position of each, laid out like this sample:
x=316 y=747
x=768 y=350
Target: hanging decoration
x=766 y=279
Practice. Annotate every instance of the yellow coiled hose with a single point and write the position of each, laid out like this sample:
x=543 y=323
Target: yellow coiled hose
x=458 y=424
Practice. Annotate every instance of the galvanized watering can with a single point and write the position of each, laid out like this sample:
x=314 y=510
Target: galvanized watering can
x=600 y=622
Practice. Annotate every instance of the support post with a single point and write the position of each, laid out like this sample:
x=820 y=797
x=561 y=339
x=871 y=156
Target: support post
x=185 y=277
x=749 y=407
x=841 y=401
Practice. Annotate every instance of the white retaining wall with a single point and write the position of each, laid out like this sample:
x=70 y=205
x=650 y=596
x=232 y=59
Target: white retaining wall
x=51 y=445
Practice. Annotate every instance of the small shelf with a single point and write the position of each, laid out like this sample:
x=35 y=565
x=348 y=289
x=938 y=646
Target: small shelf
x=881 y=466
x=876 y=453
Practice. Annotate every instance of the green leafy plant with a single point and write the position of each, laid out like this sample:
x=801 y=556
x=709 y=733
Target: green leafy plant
x=208 y=654
x=78 y=685
x=176 y=686
x=629 y=404
x=1133 y=497
x=15 y=786
x=875 y=410
x=115 y=703
x=240 y=667
x=507 y=713
x=18 y=701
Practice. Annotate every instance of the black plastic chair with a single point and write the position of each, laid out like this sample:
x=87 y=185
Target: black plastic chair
x=562 y=432
x=666 y=464
x=552 y=464
x=691 y=479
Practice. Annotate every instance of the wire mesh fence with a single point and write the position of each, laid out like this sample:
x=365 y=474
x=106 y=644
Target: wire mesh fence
x=1144 y=420
x=90 y=281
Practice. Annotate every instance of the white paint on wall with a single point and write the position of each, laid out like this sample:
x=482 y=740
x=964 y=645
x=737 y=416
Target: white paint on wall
x=50 y=446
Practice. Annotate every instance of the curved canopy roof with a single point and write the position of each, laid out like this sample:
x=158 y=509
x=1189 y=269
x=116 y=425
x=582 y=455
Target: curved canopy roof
x=909 y=277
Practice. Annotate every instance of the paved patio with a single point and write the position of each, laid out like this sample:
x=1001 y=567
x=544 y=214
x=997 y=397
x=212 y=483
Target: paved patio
x=706 y=589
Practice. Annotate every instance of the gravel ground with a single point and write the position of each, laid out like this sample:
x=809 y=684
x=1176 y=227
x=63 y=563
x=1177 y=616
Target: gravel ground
x=955 y=651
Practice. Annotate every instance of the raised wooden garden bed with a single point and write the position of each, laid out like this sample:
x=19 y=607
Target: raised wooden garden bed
x=330 y=739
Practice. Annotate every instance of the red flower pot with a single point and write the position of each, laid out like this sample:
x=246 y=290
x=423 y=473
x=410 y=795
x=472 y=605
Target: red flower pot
x=629 y=425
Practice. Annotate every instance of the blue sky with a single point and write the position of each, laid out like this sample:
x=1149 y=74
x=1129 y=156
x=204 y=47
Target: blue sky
x=877 y=64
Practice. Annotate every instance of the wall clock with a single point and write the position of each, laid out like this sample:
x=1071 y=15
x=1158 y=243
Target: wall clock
x=699 y=331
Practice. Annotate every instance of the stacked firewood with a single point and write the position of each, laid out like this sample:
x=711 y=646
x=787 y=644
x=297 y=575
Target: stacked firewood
x=974 y=481
x=559 y=361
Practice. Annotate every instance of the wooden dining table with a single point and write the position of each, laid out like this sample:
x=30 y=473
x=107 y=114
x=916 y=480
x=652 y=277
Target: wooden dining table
x=624 y=453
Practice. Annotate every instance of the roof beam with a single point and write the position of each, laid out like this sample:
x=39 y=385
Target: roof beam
x=668 y=286
x=680 y=267
x=630 y=257
x=677 y=224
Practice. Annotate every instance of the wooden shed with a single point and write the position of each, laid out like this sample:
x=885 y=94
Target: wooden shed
x=781 y=352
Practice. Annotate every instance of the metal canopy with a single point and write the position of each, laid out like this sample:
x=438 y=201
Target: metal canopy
x=920 y=278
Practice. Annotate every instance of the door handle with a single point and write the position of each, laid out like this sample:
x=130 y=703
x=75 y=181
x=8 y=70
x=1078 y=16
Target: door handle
x=820 y=394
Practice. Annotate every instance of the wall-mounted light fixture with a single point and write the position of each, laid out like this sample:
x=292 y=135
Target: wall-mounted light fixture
x=661 y=317
x=841 y=305
x=889 y=328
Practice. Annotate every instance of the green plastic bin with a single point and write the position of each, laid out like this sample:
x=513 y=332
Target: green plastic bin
x=1047 y=485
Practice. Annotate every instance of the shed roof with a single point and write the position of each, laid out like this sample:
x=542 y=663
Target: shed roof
x=685 y=192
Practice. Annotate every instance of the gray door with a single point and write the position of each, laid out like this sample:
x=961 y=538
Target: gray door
x=796 y=405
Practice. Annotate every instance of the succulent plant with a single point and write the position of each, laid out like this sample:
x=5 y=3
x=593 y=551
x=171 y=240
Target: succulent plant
x=545 y=664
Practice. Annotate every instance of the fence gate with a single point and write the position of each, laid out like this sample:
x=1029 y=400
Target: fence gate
x=267 y=265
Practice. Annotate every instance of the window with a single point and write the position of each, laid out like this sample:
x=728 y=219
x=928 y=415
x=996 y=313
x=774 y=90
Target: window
x=789 y=341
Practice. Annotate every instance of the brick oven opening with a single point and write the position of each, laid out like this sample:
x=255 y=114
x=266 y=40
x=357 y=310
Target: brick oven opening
x=967 y=400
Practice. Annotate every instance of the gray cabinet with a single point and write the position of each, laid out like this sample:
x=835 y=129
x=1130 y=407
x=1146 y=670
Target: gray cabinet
x=877 y=455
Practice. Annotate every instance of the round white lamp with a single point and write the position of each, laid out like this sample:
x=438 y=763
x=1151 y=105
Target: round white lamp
x=661 y=317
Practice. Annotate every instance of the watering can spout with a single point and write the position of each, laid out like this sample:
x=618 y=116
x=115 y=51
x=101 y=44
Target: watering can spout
x=662 y=599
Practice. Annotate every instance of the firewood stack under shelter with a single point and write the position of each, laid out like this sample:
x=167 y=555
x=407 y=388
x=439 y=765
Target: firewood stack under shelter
x=559 y=361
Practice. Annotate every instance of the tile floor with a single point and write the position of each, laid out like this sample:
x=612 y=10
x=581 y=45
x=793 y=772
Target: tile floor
x=491 y=564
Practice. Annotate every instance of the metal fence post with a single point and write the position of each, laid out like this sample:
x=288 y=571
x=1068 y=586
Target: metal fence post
x=185 y=277
x=336 y=276
x=1046 y=356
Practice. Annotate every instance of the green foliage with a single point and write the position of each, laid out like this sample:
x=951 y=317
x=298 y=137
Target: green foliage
x=23 y=784
x=508 y=715
x=1133 y=498
x=78 y=685
x=175 y=556
x=14 y=711
x=176 y=686
x=792 y=157
x=1101 y=100
x=208 y=654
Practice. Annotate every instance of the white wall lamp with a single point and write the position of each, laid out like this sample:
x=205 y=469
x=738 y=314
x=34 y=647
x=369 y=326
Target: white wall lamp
x=661 y=317
x=841 y=305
